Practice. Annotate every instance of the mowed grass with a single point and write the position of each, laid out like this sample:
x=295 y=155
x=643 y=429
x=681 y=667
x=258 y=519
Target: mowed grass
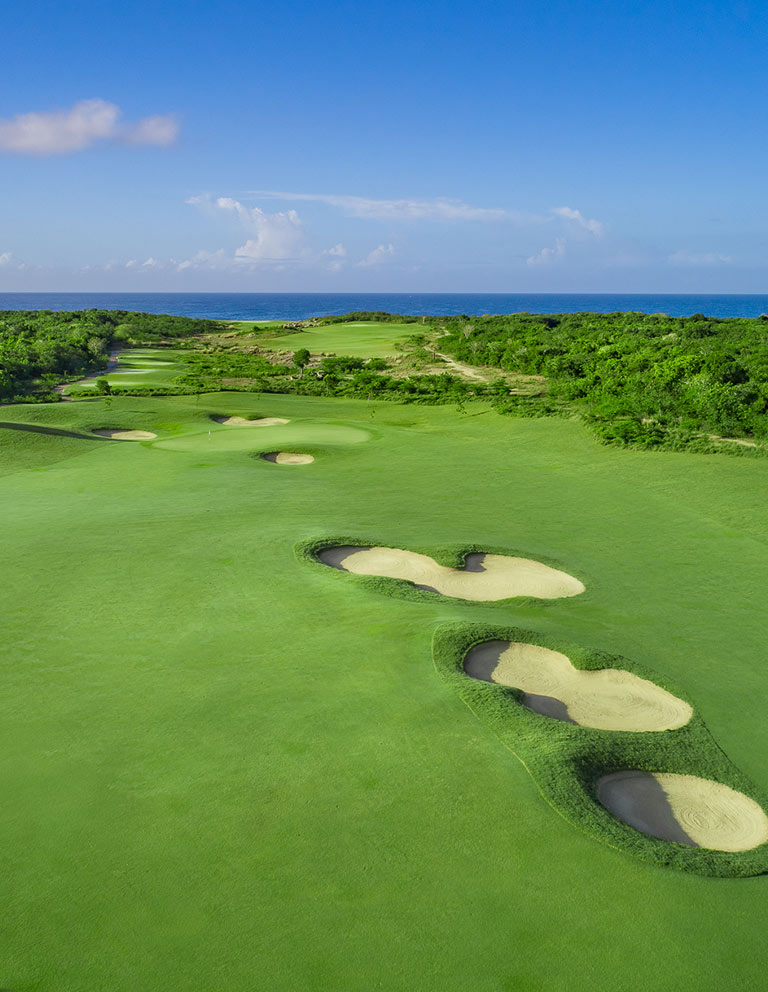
x=225 y=770
x=140 y=367
x=360 y=339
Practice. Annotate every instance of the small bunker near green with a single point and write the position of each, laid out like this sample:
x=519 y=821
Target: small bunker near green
x=684 y=809
x=244 y=422
x=287 y=458
x=124 y=435
x=606 y=699
x=484 y=577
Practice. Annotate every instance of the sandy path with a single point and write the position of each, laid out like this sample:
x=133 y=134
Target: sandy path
x=244 y=422
x=288 y=458
x=125 y=435
x=685 y=809
x=607 y=699
x=114 y=358
x=483 y=578
x=461 y=368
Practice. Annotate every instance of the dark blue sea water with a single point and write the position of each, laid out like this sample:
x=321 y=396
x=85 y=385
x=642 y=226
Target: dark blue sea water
x=297 y=306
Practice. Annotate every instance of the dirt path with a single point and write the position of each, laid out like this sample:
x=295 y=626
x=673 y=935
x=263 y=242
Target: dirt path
x=114 y=358
x=466 y=370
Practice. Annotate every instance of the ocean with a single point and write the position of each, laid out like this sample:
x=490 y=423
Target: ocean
x=298 y=306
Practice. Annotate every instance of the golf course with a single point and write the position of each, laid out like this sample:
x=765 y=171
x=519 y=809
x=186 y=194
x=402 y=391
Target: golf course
x=312 y=692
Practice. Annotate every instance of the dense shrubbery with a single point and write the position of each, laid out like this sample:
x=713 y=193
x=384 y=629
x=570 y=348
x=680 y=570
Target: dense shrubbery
x=640 y=379
x=40 y=348
x=380 y=316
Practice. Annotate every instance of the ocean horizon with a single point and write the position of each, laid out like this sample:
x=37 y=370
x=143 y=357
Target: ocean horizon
x=300 y=306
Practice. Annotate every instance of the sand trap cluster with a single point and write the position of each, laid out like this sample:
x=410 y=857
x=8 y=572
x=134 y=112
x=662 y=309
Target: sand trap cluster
x=484 y=578
x=288 y=458
x=607 y=699
x=125 y=435
x=685 y=809
x=244 y=422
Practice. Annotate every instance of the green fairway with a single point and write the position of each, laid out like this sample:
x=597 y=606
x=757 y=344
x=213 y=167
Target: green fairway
x=139 y=367
x=226 y=768
x=361 y=339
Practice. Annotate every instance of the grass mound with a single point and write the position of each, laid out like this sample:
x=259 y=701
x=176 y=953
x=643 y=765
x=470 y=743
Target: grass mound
x=568 y=762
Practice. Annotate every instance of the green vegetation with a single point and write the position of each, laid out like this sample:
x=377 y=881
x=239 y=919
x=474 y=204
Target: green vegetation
x=566 y=761
x=223 y=768
x=41 y=348
x=647 y=381
x=694 y=383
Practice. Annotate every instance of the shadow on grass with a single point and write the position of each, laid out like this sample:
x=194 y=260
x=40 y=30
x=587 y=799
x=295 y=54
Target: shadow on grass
x=53 y=431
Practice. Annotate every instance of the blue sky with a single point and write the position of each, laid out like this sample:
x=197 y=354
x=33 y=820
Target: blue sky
x=485 y=146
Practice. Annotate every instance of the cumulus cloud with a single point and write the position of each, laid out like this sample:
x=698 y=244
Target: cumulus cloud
x=9 y=261
x=595 y=227
x=547 y=255
x=684 y=257
x=59 y=132
x=276 y=237
x=439 y=208
x=379 y=255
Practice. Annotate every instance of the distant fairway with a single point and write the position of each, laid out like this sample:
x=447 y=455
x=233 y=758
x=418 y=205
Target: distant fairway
x=138 y=367
x=226 y=770
x=360 y=339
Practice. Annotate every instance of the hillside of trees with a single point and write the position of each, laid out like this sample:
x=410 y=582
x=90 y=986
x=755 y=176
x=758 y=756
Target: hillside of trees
x=41 y=348
x=645 y=380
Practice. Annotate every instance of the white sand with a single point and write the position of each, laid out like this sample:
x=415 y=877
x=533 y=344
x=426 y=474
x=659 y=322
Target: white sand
x=126 y=435
x=483 y=578
x=288 y=458
x=244 y=422
x=685 y=809
x=607 y=699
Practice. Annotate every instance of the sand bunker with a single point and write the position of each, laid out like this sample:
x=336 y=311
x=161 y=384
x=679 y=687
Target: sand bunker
x=288 y=458
x=484 y=578
x=607 y=699
x=244 y=422
x=126 y=435
x=685 y=809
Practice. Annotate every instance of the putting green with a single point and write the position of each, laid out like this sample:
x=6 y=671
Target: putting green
x=222 y=439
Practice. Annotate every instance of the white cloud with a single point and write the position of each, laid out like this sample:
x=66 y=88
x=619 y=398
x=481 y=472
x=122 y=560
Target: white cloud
x=593 y=226
x=277 y=236
x=439 y=208
x=338 y=249
x=9 y=261
x=58 y=132
x=547 y=255
x=381 y=254
x=159 y=129
x=684 y=257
